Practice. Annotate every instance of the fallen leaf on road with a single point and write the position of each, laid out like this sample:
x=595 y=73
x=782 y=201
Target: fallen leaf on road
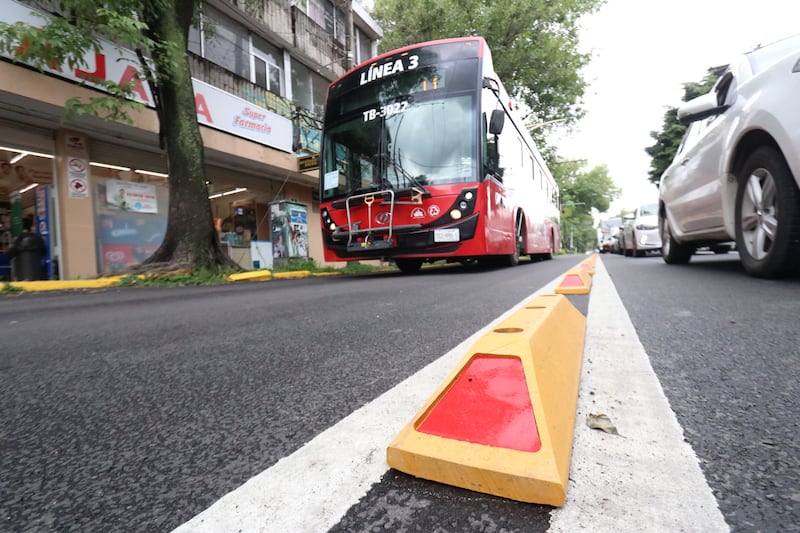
x=602 y=422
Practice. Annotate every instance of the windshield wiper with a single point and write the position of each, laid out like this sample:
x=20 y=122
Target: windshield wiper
x=389 y=161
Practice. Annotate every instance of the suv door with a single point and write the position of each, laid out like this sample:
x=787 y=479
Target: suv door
x=691 y=187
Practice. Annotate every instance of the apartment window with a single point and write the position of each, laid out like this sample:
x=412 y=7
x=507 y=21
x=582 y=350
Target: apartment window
x=363 y=47
x=327 y=15
x=308 y=88
x=267 y=72
x=222 y=41
x=195 y=43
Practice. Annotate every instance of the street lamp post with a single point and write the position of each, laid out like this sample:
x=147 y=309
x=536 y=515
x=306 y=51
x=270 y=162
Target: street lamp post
x=571 y=226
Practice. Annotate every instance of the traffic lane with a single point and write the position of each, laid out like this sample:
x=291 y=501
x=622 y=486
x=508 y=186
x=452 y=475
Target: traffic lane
x=725 y=348
x=400 y=502
x=145 y=405
x=647 y=479
x=337 y=466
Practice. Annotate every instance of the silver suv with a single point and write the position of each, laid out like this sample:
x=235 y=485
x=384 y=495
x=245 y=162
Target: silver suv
x=736 y=173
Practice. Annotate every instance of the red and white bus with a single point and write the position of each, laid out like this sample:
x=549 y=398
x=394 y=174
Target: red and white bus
x=423 y=159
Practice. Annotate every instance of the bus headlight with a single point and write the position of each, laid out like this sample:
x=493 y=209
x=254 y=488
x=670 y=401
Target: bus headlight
x=463 y=204
x=468 y=196
x=332 y=227
x=455 y=214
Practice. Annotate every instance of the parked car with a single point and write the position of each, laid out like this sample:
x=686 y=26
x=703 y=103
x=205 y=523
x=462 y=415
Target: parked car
x=640 y=231
x=605 y=244
x=615 y=244
x=735 y=175
x=608 y=229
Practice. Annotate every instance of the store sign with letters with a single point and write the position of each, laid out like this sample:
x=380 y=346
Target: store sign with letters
x=215 y=108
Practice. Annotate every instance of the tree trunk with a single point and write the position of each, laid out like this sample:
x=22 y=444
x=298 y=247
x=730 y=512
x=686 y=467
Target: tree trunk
x=191 y=241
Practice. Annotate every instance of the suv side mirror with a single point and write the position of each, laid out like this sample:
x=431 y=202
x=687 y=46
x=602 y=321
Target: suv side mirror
x=699 y=108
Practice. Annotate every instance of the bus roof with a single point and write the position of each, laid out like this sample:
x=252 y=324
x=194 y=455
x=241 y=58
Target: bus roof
x=482 y=50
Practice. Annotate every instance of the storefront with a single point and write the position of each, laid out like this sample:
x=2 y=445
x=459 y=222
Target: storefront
x=26 y=182
x=79 y=175
x=101 y=186
x=108 y=203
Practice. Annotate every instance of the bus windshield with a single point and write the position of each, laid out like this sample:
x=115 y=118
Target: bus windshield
x=413 y=130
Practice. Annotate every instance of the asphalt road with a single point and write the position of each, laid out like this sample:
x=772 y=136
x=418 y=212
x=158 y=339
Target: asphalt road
x=137 y=409
x=726 y=349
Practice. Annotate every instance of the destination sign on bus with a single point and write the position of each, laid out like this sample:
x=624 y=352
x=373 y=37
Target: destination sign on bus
x=378 y=71
x=433 y=59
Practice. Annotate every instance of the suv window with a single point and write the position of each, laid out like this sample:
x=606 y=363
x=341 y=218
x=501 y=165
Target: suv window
x=693 y=134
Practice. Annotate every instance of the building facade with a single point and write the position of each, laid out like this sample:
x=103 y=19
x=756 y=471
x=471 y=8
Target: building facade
x=98 y=191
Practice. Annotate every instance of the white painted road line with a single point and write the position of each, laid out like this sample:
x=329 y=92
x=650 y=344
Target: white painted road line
x=312 y=489
x=648 y=480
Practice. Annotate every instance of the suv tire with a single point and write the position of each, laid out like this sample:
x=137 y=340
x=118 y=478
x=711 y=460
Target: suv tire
x=767 y=215
x=673 y=252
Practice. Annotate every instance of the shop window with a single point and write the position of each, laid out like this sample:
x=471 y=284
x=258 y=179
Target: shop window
x=131 y=217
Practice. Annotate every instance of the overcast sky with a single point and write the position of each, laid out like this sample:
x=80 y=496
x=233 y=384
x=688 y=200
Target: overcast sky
x=643 y=52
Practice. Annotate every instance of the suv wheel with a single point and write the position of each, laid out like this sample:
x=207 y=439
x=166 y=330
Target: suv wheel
x=767 y=216
x=673 y=252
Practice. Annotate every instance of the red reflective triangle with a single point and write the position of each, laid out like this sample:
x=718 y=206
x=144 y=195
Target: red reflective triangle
x=488 y=403
x=572 y=280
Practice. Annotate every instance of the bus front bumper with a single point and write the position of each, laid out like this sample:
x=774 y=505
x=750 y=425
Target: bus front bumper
x=405 y=240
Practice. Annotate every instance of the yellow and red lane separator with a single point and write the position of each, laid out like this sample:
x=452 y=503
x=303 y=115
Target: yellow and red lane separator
x=502 y=423
x=576 y=281
x=589 y=264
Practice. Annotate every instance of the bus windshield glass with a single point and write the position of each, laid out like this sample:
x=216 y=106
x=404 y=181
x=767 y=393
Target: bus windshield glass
x=413 y=129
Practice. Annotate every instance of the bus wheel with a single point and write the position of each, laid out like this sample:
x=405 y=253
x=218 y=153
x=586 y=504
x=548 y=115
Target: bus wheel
x=552 y=247
x=408 y=266
x=519 y=245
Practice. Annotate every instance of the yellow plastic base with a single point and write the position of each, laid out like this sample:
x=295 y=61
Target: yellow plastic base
x=547 y=335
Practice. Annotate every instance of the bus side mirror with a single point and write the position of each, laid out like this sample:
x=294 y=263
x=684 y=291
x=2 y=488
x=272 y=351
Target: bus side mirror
x=497 y=122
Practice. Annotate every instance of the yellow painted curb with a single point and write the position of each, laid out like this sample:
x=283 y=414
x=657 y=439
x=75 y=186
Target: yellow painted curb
x=291 y=275
x=59 y=285
x=256 y=275
x=547 y=337
x=575 y=281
